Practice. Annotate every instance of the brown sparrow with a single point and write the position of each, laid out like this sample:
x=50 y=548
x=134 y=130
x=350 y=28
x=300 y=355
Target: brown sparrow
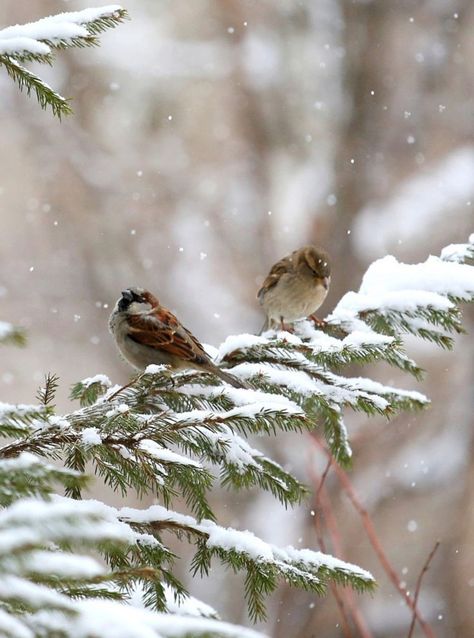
x=295 y=287
x=145 y=332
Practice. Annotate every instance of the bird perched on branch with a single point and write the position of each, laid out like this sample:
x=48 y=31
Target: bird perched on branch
x=295 y=287
x=146 y=332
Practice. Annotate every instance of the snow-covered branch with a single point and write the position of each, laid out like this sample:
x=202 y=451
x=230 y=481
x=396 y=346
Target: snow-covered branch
x=165 y=434
x=37 y=41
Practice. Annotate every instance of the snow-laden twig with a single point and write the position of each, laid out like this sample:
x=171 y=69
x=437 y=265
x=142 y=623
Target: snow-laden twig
x=38 y=41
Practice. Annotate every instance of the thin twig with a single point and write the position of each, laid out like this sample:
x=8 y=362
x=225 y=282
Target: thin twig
x=418 y=585
x=319 y=504
x=374 y=539
x=124 y=387
x=321 y=482
x=323 y=497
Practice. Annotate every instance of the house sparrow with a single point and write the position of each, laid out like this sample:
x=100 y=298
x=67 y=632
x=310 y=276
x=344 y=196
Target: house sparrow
x=145 y=332
x=295 y=287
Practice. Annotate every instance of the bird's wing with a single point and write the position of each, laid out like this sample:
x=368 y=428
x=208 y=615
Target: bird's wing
x=281 y=267
x=161 y=330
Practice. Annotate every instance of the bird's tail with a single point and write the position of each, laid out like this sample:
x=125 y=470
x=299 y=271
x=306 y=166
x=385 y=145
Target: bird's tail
x=229 y=378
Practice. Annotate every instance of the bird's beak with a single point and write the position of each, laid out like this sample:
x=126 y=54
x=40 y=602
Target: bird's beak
x=127 y=295
x=326 y=281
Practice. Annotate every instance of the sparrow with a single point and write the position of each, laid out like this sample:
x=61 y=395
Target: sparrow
x=145 y=332
x=295 y=287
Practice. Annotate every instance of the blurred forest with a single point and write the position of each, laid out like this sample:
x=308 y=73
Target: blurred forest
x=208 y=139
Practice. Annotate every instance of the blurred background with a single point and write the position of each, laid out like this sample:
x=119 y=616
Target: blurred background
x=209 y=139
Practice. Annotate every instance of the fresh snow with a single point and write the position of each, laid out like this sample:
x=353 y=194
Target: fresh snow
x=63 y=565
x=7 y=409
x=12 y=587
x=161 y=453
x=188 y=606
x=121 y=408
x=34 y=38
x=103 y=379
x=109 y=620
x=22 y=45
x=402 y=301
x=11 y=626
x=91 y=436
x=459 y=252
x=237 y=451
x=389 y=285
x=434 y=275
x=154 y=368
x=241 y=541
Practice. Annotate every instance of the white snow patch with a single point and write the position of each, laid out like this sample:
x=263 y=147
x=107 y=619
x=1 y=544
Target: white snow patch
x=242 y=541
x=122 y=408
x=163 y=454
x=154 y=368
x=111 y=620
x=91 y=436
x=103 y=379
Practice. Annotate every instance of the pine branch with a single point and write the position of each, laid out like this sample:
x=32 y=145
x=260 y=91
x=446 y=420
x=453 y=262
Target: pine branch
x=39 y=40
x=264 y=563
x=28 y=81
x=162 y=432
x=46 y=394
x=459 y=253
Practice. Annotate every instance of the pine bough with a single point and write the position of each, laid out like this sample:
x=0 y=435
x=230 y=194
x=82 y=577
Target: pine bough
x=38 y=41
x=165 y=434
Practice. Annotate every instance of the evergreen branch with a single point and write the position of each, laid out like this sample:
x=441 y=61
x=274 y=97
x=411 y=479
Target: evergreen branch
x=46 y=395
x=263 y=563
x=64 y=30
x=89 y=390
x=28 y=476
x=26 y=80
x=37 y=41
x=459 y=253
x=243 y=467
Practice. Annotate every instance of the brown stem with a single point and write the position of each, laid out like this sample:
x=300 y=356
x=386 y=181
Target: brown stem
x=322 y=498
x=375 y=541
x=418 y=585
x=320 y=504
x=124 y=387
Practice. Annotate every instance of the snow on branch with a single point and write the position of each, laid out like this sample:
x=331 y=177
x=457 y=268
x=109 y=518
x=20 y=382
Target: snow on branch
x=459 y=253
x=37 y=41
x=243 y=550
x=164 y=433
x=420 y=299
x=45 y=589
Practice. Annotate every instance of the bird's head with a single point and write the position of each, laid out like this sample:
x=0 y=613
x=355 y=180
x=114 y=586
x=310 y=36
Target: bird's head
x=137 y=300
x=314 y=262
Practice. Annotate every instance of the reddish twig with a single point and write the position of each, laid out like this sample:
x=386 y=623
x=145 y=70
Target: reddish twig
x=321 y=482
x=322 y=498
x=418 y=585
x=375 y=541
x=320 y=505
